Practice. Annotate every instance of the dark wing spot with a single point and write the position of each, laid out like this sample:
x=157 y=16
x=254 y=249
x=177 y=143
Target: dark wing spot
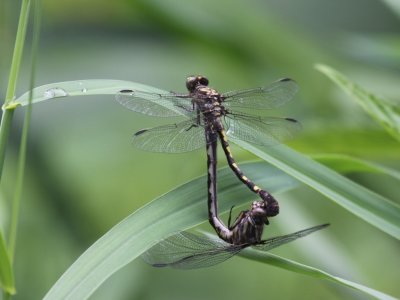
x=159 y=265
x=126 y=91
x=291 y=120
x=286 y=79
x=140 y=132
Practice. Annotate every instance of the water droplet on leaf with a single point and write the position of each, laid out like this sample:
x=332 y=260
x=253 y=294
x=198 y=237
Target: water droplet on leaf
x=54 y=93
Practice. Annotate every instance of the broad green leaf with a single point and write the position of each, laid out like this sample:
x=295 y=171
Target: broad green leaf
x=384 y=112
x=80 y=88
x=6 y=274
x=284 y=263
x=367 y=205
x=346 y=164
x=293 y=266
x=180 y=209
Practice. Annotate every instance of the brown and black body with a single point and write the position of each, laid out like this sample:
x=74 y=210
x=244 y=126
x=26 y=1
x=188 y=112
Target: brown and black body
x=210 y=104
x=208 y=101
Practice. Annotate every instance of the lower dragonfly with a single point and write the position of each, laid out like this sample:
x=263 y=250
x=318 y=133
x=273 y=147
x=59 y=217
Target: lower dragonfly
x=186 y=250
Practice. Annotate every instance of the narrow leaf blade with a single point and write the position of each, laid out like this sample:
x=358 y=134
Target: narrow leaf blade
x=367 y=205
x=345 y=164
x=290 y=265
x=80 y=88
x=385 y=113
x=6 y=274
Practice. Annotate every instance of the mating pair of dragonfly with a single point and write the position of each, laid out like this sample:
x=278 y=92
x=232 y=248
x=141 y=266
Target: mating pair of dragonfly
x=211 y=117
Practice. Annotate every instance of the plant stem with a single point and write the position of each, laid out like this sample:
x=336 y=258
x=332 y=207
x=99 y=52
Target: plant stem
x=5 y=127
x=24 y=138
x=6 y=119
x=18 y=49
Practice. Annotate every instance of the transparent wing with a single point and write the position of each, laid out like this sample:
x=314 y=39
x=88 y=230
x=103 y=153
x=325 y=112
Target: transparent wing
x=173 y=138
x=268 y=97
x=185 y=250
x=274 y=242
x=153 y=104
x=265 y=131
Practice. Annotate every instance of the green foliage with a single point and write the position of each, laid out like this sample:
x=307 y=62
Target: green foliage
x=180 y=209
x=84 y=177
x=293 y=266
x=342 y=163
x=88 y=87
x=169 y=214
x=6 y=273
x=385 y=113
x=365 y=204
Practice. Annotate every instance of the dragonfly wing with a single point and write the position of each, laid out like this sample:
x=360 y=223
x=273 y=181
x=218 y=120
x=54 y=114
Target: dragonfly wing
x=265 y=131
x=172 y=138
x=153 y=104
x=274 y=95
x=185 y=250
x=274 y=242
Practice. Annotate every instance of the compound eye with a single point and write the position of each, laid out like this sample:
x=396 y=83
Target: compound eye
x=191 y=83
x=203 y=80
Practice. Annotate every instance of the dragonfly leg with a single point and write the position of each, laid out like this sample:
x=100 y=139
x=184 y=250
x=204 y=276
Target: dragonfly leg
x=230 y=217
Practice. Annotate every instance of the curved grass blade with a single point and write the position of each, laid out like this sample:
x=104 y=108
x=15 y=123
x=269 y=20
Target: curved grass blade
x=290 y=265
x=367 y=205
x=180 y=209
x=81 y=88
x=393 y=5
x=347 y=164
x=383 y=111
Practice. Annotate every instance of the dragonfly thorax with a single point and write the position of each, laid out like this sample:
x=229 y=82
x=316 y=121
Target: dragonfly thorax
x=259 y=211
x=249 y=225
x=208 y=101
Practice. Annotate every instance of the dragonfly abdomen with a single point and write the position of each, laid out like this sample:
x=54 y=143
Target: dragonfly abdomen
x=272 y=204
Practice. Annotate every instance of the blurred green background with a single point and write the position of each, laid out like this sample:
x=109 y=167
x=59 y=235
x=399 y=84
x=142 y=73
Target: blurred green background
x=83 y=176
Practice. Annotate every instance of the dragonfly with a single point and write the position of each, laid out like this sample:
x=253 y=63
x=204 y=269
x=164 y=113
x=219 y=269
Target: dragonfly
x=211 y=116
x=185 y=250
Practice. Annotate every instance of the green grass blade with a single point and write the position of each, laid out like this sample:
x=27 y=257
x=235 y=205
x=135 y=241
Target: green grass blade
x=385 y=113
x=5 y=128
x=18 y=49
x=80 y=88
x=6 y=273
x=8 y=112
x=367 y=205
x=180 y=209
x=346 y=164
x=290 y=265
x=24 y=137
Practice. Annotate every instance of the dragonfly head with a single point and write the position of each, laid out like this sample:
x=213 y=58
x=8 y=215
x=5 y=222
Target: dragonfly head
x=259 y=211
x=193 y=81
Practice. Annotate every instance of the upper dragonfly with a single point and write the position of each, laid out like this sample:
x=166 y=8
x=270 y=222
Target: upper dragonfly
x=242 y=112
x=211 y=116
